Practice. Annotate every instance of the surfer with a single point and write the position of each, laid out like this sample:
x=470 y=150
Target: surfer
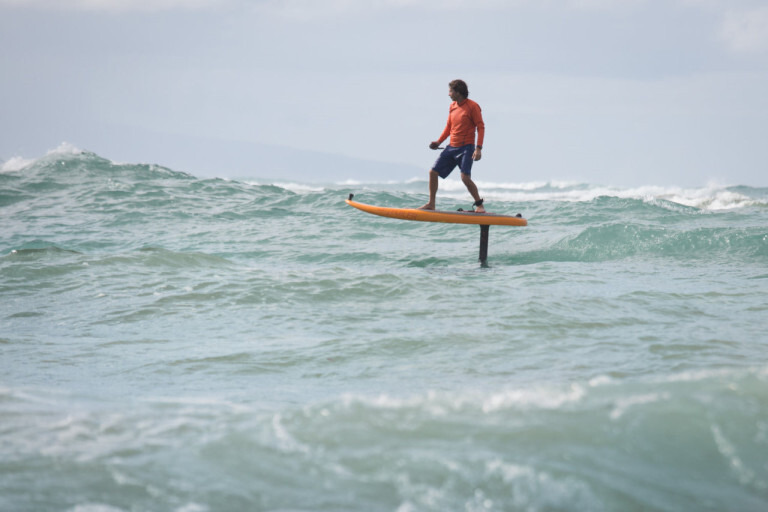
x=464 y=117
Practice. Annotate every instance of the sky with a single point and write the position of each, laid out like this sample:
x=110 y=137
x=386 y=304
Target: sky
x=610 y=92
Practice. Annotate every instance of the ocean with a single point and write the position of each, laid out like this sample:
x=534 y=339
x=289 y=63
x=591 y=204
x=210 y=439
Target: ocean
x=175 y=343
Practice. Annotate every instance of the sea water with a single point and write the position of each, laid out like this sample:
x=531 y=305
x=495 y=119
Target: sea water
x=175 y=343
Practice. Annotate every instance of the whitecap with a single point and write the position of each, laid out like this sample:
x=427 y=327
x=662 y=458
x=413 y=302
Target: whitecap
x=94 y=507
x=624 y=404
x=299 y=188
x=16 y=163
x=542 y=398
x=65 y=148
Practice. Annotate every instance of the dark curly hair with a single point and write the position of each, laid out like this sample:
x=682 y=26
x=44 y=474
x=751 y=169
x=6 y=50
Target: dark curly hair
x=460 y=86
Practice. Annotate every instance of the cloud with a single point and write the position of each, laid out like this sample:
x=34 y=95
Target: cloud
x=746 y=31
x=308 y=9
x=313 y=10
x=603 y=4
x=114 y=5
x=354 y=6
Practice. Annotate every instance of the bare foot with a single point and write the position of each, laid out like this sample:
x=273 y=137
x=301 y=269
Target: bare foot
x=428 y=206
x=480 y=209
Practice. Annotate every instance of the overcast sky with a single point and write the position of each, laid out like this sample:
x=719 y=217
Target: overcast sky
x=614 y=92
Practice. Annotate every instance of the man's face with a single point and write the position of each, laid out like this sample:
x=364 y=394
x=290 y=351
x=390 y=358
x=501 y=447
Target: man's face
x=455 y=96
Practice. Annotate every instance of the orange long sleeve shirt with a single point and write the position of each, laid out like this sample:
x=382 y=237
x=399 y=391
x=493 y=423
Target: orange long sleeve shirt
x=463 y=118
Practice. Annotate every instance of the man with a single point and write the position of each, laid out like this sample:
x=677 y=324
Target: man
x=464 y=117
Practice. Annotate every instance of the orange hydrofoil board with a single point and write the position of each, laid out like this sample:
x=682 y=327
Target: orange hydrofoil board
x=483 y=219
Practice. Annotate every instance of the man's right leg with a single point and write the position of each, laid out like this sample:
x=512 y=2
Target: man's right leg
x=433 y=184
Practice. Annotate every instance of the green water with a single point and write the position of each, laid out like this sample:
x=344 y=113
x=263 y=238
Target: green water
x=174 y=343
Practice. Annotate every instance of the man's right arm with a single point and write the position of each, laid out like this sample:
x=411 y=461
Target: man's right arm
x=443 y=136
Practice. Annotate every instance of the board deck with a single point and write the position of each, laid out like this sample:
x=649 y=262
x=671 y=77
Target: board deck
x=482 y=219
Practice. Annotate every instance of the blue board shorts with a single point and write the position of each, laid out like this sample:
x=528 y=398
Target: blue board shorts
x=451 y=157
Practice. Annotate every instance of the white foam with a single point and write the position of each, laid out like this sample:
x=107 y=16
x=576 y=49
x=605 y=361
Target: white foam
x=298 y=188
x=439 y=404
x=710 y=197
x=729 y=452
x=600 y=380
x=16 y=163
x=193 y=507
x=541 y=398
x=284 y=439
x=624 y=404
x=535 y=490
x=94 y=507
x=358 y=183
x=65 y=148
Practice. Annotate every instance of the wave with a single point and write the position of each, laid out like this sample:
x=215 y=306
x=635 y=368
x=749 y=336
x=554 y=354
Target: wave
x=68 y=161
x=86 y=203
x=19 y=163
x=709 y=197
x=690 y=440
x=611 y=242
